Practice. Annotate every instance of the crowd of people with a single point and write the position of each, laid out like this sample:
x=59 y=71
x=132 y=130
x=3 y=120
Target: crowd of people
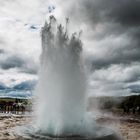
x=133 y=110
x=15 y=107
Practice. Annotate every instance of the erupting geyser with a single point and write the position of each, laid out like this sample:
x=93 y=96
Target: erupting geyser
x=61 y=91
x=62 y=85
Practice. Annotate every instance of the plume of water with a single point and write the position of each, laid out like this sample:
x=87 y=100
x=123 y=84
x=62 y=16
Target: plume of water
x=62 y=84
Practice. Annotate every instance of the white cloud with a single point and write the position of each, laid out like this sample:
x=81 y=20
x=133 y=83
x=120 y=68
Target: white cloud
x=109 y=47
x=118 y=73
x=115 y=80
x=12 y=77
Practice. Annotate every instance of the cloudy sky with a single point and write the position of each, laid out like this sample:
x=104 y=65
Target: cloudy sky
x=111 y=31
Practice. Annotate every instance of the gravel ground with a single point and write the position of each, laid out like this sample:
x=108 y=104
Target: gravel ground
x=129 y=129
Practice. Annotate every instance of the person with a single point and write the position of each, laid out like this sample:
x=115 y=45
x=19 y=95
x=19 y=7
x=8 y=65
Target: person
x=2 y=106
x=23 y=108
x=127 y=109
x=138 y=109
x=124 y=109
x=14 y=108
x=133 y=110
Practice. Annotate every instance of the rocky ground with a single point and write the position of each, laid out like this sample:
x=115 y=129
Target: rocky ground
x=129 y=128
x=8 y=124
x=130 y=131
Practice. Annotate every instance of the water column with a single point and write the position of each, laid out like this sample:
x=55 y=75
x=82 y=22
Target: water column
x=62 y=83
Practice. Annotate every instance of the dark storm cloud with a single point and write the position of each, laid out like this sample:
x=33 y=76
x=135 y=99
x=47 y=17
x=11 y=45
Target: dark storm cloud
x=125 y=55
x=113 y=43
x=21 y=64
x=123 y=13
x=134 y=88
x=114 y=18
x=12 y=62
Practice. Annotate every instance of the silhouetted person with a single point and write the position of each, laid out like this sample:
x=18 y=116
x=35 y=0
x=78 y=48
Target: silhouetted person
x=134 y=110
x=14 y=108
x=127 y=110
x=138 y=110
x=2 y=104
x=23 y=109
x=4 y=107
x=124 y=109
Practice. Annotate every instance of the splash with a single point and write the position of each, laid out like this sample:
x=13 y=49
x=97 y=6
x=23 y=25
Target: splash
x=62 y=83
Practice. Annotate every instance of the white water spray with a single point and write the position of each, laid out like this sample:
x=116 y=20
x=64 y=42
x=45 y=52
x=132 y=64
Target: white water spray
x=62 y=84
x=61 y=92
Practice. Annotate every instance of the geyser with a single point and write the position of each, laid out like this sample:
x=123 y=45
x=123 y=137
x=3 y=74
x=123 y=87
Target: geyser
x=61 y=91
x=62 y=84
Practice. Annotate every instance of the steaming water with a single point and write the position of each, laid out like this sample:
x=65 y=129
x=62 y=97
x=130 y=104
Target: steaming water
x=61 y=92
x=62 y=84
